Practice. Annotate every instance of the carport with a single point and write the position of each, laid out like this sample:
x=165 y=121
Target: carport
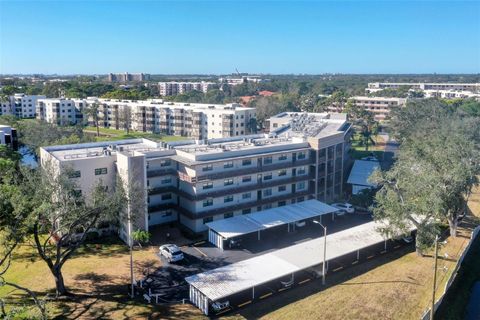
x=225 y=229
x=222 y=283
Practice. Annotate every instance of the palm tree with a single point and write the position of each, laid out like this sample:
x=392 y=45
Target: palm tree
x=92 y=111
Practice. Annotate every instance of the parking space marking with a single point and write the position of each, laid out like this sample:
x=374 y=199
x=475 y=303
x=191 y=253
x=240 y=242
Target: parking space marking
x=384 y=251
x=281 y=289
x=244 y=304
x=355 y=262
x=266 y=295
x=306 y=280
x=370 y=257
x=396 y=247
x=339 y=268
x=199 y=243
x=200 y=251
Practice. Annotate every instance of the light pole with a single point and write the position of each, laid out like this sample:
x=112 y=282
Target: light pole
x=324 y=249
x=432 y=312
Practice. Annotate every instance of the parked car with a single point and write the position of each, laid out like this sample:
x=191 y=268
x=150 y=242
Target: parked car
x=220 y=305
x=346 y=207
x=235 y=243
x=370 y=158
x=300 y=224
x=171 y=252
x=407 y=238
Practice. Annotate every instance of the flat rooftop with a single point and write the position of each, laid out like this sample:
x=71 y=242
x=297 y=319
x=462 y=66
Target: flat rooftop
x=97 y=149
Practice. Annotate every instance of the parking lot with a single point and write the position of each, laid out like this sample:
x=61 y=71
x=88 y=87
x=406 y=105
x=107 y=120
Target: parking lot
x=168 y=281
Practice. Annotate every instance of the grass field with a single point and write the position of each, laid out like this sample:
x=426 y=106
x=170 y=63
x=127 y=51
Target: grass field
x=112 y=134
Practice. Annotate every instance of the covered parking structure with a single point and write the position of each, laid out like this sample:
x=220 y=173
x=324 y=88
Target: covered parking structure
x=221 y=284
x=222 y=230
x=361 y=171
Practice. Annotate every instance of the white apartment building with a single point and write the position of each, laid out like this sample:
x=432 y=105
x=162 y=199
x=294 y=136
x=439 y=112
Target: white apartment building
x=196 y=120
x=243 y=79
x=60 y=111
x=379 y=106
x=376 y=86
x=20 y=105
x=173 y=88
x=8 y=136
x=451 y=94
x=196 y=182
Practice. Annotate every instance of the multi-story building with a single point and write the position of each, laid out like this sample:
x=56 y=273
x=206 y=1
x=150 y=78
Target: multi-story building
x=451 y=94
x=195 y=182
x=8 y=136
x=379 y=106
x=173 y=88
x=20 y=105
x=376 y=86
x=199 y=121
x=60 y=111
x=243 y=79
x=127 y=77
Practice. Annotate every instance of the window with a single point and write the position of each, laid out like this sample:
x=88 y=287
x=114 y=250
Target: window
x=267 y=160
x=228 y=182
x=207 y=220
x=228 y=215
x=100 y=171
x=165 y=163
x=167 y=196
x=228 y=164
x=228 y=199
x=208 y=185
x=246 y=178
x=282 y=173
x=267 y=206
x=166 y=181
x=246 y=211
x=300 y=199
x=282 y=157
x=281 y=203
x=301 y=155
x=247 y=195
x=247 y=162
x=301 y=170
x=301 y=185
x=282 y=188
x=267 y=192
x=208 y=168
x=268 y=176
x=207 y=203
x=74 y=174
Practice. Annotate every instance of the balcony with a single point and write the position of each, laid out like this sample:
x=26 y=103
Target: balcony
x=161 y=172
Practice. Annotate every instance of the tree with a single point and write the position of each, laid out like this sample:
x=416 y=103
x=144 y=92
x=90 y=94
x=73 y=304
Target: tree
x=125 y=118
x=60 y=217
x=91 y=111
x=363 y=121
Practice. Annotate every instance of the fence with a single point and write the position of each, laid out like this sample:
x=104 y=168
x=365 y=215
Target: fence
x=450 y=281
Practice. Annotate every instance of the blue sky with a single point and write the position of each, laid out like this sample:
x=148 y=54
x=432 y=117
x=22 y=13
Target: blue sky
x=257 y=37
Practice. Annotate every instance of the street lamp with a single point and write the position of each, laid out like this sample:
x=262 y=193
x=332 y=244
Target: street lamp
x=324 y=248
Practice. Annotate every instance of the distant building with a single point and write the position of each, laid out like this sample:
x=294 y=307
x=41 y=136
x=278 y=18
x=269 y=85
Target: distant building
x=20 y=105
x=451 y=94
x=376 y=86
x=196 y=120
x=173 y=88
x=127 y=77
x=244 y=79
x=8 y=136
x=379 y=106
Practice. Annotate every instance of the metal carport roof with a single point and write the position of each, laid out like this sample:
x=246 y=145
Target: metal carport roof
x=248 y=223
x=225 y=281
x=361 y=171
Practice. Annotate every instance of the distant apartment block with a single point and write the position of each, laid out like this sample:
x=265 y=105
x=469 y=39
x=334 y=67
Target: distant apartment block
x=196 y=182
x=451 y=94
x=199 y=121
x=60 y=111
x=20 y=105
x=127 y=77
x=244 y=79
x=376 y=86
x=174 y=88
x=8 y=136
x=379 y=106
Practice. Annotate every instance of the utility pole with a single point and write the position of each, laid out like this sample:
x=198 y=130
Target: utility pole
x=432 y=311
